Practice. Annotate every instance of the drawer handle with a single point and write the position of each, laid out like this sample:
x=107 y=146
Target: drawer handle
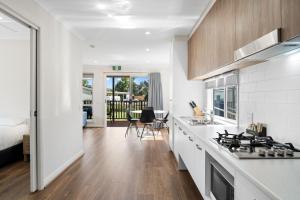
x=184 y=133
x=180 y=128
x=198 y=147
x=190 y=139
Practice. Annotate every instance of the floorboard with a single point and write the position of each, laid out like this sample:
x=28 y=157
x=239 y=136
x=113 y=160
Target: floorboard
x=113 y=168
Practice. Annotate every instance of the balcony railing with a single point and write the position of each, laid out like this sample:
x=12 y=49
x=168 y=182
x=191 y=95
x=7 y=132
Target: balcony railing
x=116 y=110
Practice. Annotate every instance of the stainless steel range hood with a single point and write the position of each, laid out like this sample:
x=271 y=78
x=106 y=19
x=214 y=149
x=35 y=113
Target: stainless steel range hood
x=267 y=46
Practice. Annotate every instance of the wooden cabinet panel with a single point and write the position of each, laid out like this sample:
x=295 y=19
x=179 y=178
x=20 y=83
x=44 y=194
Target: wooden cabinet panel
x=225 y=32
x=212 y=44
x=202 y=49
x=290 y=12
x=255 y=18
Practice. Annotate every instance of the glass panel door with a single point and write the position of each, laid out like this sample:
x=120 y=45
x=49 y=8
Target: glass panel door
x=117 y=99
x=125 y=93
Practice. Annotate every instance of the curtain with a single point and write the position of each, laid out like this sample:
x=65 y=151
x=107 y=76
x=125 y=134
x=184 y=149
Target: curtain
x=155 y=98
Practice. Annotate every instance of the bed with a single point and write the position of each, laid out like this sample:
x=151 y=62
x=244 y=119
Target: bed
x=11 y=139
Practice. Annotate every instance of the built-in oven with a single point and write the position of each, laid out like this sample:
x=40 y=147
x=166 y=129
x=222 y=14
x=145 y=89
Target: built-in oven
x=220 y=183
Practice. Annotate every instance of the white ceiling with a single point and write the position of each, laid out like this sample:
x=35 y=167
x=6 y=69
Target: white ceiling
x=12 y=30
x=117 y=27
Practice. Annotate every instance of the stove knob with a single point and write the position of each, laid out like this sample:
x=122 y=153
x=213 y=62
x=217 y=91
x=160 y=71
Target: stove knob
x=280 y=153
x=289 y=152
x=261 y=152
x=271 y=152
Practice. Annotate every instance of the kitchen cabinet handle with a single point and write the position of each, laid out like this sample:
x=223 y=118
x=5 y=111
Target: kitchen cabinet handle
x=190 y=139
x=198 y=147
x=184 y=133
x=180 y=128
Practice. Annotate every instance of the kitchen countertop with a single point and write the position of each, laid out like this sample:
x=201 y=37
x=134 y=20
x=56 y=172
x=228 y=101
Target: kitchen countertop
x=278 y=178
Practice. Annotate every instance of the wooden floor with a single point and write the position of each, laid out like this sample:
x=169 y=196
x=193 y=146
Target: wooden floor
x=114 y=168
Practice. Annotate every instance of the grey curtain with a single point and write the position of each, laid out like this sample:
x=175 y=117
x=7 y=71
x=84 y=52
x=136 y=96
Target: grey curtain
x=155 y=98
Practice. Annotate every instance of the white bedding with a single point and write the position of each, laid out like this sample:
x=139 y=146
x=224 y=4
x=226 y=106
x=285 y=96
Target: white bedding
x=12 y=135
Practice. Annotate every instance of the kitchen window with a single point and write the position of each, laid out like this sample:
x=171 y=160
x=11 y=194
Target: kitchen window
x=222 y=97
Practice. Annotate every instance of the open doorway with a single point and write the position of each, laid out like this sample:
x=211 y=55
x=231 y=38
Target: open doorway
x=125 y=92
x=18 y=104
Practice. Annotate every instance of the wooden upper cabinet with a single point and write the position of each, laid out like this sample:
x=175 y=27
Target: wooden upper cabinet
x=255 y=18
x=225 y=32
x=290 y=11
x=202 y=47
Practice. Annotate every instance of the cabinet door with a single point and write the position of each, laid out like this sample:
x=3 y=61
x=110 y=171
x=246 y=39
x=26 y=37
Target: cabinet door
x=245 y=190
x=255 y=18
x=202 y=47
x=290 y=18
x=225 y=32
x=176 y=140
x=199 y=157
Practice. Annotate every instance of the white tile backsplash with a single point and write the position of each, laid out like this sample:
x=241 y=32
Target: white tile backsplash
x=271 y=91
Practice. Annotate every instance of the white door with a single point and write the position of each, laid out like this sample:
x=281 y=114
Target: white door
x=33 y=110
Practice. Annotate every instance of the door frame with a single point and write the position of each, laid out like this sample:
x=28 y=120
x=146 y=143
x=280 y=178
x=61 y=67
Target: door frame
x=35 y=156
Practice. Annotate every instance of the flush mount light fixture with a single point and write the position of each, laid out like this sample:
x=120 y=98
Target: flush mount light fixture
x=147 y=49
x=101 y=6
x=147 y=33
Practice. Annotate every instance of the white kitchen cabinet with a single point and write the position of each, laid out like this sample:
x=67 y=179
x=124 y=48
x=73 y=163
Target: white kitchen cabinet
x=176 y=139
x=246 y=190
x=187 y=149
x=171 y=136
x=192 y=153
x=199 y=165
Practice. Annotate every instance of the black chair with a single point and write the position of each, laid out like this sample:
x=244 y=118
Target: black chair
x=162 y=123
x=148 y=108
x=132 y=122
x=148 y=119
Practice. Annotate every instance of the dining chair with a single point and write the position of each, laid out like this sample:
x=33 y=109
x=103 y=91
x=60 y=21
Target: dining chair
x=148 y=119
x=148 y=108
x=162 y=123
x=132 y=122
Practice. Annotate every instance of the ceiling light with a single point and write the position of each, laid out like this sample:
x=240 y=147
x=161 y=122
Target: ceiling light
x=101 y=6
x=147 y=33
x=147 y=49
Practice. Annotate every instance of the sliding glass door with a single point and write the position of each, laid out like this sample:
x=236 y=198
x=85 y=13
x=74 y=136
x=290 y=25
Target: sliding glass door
x=125 y=93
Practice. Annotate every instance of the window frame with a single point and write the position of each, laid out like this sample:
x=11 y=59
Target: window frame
x=225 y=118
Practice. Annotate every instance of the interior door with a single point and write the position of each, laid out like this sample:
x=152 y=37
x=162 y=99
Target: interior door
x=33 y=111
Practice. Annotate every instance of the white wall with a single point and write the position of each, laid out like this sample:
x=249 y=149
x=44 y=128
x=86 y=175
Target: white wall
x=183 y=90
x=271 y=91
x=99 y=88
x=60 y=89
x=15 y=78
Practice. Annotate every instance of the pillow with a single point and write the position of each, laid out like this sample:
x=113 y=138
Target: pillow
x=12 y=121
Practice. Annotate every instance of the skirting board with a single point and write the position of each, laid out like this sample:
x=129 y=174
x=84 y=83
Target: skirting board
x=62 y=168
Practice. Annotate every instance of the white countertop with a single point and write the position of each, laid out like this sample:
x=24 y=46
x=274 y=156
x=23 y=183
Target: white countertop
x=279 y=178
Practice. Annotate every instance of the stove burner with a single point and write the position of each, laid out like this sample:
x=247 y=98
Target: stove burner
x=250 y=146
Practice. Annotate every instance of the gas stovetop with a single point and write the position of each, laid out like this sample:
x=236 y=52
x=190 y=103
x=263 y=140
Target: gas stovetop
x=245 y=146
